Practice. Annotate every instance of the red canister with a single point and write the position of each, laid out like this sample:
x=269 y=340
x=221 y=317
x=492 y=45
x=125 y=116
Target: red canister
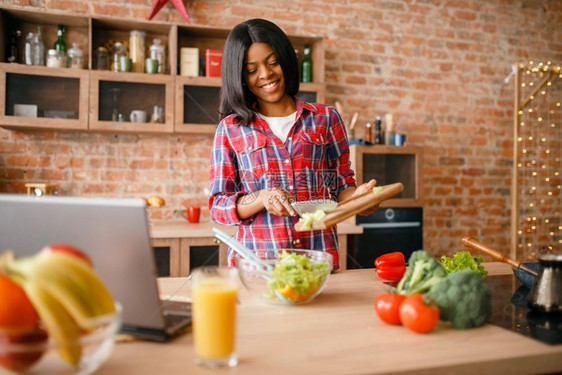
x=213 y=60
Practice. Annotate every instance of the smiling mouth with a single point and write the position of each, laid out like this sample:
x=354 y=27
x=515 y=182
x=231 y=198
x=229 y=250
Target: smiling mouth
x=270 y=85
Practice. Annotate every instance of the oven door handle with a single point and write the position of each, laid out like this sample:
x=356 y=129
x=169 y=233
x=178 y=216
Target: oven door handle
x=406 y=224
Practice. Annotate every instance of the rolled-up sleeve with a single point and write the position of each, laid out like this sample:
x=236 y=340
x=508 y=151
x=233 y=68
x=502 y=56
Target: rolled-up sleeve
x=338 y=152
x=225 y=186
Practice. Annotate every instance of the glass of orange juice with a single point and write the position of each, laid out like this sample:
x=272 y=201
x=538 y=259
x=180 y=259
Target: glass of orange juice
x=214 y=293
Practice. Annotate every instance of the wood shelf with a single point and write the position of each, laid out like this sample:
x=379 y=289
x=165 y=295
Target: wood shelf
x=390 y=164
x=34 y=85
x=190 y=103
x=127 y=92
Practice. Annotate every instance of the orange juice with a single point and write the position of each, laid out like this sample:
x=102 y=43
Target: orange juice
x=214 y=316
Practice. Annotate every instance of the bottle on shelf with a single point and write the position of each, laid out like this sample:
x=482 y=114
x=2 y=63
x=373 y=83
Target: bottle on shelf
x=34 y=48
x=56 y=59
x=369 y=133
x=40 y=49
x=389 y=133
x=60 y=44
x=158 y=53
x=102 y=58
x=378 y=131
x=76 y=56
x=12 y=55
x=119 y=50
x=306 y=65
x=136 y=50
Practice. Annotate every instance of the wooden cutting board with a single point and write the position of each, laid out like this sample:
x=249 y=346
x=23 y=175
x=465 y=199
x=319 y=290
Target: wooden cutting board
x=355 y=205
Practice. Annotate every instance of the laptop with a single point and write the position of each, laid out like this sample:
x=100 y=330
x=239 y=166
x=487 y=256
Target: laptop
x=114 y=234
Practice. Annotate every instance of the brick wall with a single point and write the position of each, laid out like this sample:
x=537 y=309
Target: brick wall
x=450 y=98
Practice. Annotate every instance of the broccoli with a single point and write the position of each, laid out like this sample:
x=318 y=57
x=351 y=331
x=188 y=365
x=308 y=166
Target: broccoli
x=463 y=298
x=423 y=272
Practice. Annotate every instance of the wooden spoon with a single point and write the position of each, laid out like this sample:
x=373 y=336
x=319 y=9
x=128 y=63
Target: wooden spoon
x=472 y=243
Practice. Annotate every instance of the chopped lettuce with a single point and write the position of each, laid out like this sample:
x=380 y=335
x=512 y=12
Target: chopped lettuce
x=307 y=219
x=463 y=260
x=376 y=189
x=298 y=272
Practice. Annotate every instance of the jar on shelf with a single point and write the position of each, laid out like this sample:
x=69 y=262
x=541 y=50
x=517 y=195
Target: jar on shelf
x=102 y=58
x=34 y=48
x=76 y=56
x=56 y=59
x=136 y=50
x=119 y=50
x=158 y=52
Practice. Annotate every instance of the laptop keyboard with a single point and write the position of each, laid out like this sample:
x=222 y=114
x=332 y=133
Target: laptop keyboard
x=176 y=322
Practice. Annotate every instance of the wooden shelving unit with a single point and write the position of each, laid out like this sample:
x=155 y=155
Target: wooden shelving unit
x=390 y=164
x=190 y=104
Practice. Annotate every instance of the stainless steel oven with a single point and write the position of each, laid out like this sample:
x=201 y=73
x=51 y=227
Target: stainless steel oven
x=385 y=231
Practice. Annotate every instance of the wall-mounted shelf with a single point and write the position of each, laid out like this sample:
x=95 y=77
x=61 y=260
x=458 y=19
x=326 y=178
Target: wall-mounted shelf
x=116 y=95
x=389 y=164
x=190 y=104
x=59 y=96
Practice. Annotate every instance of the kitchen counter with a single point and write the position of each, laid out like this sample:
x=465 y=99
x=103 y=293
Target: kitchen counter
x=339 y=333
x=181 y=236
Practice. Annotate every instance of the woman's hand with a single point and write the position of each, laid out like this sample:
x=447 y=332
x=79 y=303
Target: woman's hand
x=362 y=189
x=277 y=201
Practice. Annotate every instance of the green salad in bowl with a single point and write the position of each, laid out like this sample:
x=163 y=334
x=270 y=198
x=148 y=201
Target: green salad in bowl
x=292 y=277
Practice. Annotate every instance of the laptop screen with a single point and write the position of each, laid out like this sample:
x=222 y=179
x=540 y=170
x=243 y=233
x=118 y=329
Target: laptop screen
x=113 y=232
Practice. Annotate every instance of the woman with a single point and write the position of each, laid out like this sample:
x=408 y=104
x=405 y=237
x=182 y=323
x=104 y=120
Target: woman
x=271 y=148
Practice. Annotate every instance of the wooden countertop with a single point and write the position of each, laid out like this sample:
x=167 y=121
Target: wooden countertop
x=183 y=229
x=339 y=333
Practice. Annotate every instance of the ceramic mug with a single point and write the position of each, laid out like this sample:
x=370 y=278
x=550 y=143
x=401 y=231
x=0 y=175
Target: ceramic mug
x=192 y=214
x=151 y=66
x=125 y=64
x=138 y=116
x=399 y=139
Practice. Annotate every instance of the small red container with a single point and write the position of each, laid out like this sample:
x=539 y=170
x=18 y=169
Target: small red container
x=213 y=60
x=192 y=214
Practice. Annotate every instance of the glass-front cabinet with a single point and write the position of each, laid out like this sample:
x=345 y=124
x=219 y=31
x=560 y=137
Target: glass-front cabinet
x=129 y=75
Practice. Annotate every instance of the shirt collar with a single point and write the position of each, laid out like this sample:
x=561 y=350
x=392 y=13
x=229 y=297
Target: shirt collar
x=300 y=104
x=304 y=106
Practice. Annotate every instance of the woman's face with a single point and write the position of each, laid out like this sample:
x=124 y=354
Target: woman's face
x=264 y=75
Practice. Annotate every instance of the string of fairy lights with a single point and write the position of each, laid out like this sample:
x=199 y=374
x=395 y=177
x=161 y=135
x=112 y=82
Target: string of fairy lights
x=538 y=154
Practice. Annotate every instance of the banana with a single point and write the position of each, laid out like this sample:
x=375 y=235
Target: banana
x=71 y=282
x=58 y=322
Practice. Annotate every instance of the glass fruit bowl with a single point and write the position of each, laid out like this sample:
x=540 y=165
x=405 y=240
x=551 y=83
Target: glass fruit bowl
x=292 y=277
x=36 y=353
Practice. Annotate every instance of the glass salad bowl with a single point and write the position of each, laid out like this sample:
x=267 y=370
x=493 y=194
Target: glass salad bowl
x=291 y=276
x=36 y=353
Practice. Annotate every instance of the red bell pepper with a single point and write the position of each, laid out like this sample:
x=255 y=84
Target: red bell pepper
x=390 y=266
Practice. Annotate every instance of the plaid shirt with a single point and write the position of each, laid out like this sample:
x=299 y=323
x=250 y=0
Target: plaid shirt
x=312 y=164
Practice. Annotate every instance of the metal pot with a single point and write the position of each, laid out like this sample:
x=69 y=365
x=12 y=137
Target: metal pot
x=546 y=293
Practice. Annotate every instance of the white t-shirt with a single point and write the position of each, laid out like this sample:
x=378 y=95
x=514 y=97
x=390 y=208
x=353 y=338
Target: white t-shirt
x=280 y=126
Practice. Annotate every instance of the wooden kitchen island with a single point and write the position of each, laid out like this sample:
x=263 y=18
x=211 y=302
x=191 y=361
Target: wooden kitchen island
x=339 y=333
x=181 y=237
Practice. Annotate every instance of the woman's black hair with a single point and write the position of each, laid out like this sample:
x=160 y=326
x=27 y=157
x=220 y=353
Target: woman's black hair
x=236 y=97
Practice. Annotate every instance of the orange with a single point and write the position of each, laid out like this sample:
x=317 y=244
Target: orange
x=16 y=311
x=289 y=293
x=293 y=296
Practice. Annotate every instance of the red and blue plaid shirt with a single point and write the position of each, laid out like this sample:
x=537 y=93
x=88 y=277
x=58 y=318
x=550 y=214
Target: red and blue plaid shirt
x=313 y=163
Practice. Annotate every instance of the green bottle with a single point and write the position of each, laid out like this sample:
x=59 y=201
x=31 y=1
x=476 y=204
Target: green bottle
x=306 y=65
x=60 y=44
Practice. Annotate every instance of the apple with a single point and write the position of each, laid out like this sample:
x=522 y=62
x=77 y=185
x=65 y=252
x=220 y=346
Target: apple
x=69 y=249
x=20 y=360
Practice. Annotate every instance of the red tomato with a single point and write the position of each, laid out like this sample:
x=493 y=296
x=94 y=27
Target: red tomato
x=387 y=307
x=419 y=315
x=390 y=260
x=390 y=273
x=64 y=248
